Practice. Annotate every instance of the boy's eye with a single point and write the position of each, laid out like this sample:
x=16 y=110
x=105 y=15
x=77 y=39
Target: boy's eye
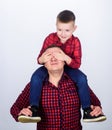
x=61 y=30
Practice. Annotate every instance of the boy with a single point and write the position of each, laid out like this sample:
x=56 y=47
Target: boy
x=71 y=54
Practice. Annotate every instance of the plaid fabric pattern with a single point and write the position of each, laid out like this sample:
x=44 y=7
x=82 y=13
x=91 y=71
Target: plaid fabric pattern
x=59 y=106
x=72 y=48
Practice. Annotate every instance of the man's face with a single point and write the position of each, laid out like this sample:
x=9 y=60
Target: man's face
x=54 y=64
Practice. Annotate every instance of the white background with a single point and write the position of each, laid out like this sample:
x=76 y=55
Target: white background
x=23 y=26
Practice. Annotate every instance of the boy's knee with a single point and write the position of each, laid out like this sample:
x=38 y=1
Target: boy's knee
x=83 y=78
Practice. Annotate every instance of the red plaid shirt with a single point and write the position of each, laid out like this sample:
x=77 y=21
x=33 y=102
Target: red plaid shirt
x=72 y=48
x=59 y=106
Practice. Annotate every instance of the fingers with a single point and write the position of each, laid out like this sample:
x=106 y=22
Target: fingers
x=46 y=56
x=58 y=55
x=46 y=53
x=96 y=111
x=25 y=111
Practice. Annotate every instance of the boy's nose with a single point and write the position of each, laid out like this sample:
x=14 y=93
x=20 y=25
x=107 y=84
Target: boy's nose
x=63 y=33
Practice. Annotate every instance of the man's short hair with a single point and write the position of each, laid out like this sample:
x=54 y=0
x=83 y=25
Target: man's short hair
x=52 y=46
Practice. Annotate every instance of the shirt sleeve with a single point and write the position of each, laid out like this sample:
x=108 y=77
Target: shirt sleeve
x=21 y=102
x=77 y=54
x=94 y=99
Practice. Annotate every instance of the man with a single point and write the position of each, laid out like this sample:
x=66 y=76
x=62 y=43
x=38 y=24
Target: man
x=60 y=104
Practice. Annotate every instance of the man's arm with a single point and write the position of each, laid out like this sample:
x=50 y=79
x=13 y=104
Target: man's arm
x=96 y=104
x=94 y=99
x=21 y=102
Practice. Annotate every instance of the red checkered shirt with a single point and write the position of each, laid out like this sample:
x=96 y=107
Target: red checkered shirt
x=59 y=106
x=71 y=47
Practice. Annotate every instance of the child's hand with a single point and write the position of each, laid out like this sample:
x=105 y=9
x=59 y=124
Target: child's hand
x=60 y=55
x=45 y=57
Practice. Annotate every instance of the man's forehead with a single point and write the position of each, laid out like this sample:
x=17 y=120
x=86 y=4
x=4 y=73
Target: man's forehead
x=53 y=49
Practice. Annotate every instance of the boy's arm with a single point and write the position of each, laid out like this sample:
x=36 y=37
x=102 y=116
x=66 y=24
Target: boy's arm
x=75 y=61
x=21 y=102
x=49 y=40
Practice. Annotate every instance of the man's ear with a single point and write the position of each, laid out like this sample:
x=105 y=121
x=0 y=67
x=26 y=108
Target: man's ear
x=45 y=65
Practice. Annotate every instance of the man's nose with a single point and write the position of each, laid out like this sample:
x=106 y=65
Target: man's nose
x=53 y=58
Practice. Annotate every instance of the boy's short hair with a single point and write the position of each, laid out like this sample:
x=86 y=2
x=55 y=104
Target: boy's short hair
x=66 y=16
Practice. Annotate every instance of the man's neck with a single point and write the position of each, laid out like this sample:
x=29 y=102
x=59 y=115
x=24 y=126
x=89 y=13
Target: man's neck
x=55 y=76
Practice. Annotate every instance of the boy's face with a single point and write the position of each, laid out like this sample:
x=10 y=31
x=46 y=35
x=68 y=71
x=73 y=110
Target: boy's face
x=65 y=30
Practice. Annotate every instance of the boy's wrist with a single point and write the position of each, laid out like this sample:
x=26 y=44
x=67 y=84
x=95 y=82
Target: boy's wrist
x=68 y=59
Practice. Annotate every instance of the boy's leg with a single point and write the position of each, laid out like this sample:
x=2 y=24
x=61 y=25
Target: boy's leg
x=36 y=85
x=35 y=94
x=81 y=81
x=83 y=90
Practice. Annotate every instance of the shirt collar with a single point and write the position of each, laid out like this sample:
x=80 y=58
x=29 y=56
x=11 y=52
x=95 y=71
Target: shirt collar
x=64 y=77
